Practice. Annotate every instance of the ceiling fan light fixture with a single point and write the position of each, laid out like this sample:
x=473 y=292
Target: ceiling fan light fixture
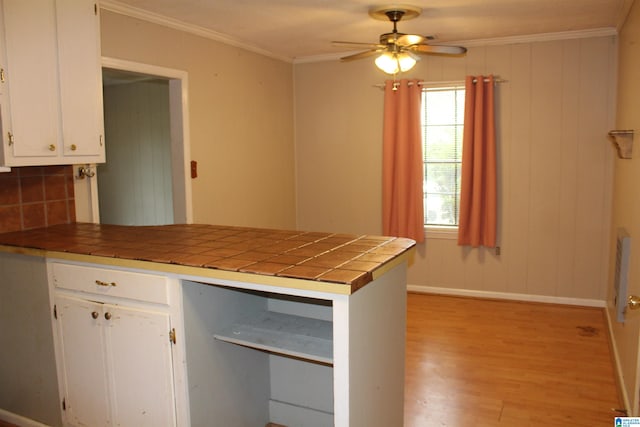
x=398 y=52
x=394 y=62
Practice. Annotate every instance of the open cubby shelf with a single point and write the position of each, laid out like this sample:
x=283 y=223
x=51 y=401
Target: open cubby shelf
x=286 y=334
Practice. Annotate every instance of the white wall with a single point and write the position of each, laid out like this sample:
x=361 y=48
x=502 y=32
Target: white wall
x=555 y=164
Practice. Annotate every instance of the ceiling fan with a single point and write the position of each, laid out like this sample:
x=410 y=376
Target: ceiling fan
x=398 y=52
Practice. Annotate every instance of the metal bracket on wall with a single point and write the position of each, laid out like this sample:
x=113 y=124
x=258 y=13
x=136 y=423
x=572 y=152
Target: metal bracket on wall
x=623 y=141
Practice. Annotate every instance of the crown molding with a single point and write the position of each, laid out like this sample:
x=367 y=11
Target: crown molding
x=542 y=37
x=134 y=12
x=496 y=41
x=123 y=9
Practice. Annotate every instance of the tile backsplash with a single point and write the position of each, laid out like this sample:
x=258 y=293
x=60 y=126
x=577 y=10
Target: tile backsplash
x=36 y=196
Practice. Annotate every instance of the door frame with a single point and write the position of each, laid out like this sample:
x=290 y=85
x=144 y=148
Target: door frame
x=88 y=209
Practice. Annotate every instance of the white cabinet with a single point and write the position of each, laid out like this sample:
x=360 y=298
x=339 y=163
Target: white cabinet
x=114 y=347
x=51 y=84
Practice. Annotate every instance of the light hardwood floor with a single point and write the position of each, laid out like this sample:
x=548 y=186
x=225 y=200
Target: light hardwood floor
x=474 y=362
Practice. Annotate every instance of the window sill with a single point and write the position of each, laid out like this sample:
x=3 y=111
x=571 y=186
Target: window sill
x=450 y=233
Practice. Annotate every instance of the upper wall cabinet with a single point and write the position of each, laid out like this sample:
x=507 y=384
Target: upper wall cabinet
x=51 y=83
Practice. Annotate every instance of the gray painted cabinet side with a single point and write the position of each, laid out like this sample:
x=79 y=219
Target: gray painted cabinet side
x=28 y=380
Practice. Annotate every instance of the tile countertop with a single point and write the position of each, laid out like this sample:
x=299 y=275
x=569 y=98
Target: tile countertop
x=344 y=259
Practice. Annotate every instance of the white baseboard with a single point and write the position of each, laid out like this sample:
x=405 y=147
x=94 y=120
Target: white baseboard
x=19 y=420
x=506 y=296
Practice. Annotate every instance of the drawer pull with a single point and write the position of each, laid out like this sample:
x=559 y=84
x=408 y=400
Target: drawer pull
x=101 y=283
x=94 y=314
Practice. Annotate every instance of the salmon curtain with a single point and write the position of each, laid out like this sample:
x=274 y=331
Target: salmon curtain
x=402 y=169
x=478 y=188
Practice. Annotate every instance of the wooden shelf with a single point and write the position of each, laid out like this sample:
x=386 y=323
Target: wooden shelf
x=286 y=334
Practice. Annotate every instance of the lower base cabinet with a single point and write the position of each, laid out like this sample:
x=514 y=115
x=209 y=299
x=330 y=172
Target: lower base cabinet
x=115 y=356
x=116 y=364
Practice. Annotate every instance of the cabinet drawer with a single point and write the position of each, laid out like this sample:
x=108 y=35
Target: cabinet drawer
x=115 y=283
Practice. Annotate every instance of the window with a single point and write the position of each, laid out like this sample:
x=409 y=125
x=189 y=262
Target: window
x=442 y=126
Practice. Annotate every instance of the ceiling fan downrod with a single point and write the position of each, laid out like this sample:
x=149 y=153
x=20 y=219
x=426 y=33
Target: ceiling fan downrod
x=394 y=16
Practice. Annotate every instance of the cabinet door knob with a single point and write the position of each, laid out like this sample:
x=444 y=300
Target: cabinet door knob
x=73 y=147
x=107 y=315
x=52 y=147
x=94 y=314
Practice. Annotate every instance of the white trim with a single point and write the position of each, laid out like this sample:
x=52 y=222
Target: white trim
x=530 y=38
x=506 y=296
x=93 y=196
x=139 y=67
x=179 y=84
x=5 y=169
x=134 y=12
x=323 y=57
x=443 y=233
x=19 y=420
x=618 y=365
x=543 y=37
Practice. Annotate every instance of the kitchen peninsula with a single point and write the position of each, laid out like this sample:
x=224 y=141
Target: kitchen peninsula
x=245 y=326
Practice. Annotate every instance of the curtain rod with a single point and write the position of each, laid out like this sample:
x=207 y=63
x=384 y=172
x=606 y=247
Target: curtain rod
x=444 y=83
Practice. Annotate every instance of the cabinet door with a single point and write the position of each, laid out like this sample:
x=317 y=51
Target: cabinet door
x=80 y=79
x=84 y=368
x=52 y=98
x=141 y=359
x=32 y=75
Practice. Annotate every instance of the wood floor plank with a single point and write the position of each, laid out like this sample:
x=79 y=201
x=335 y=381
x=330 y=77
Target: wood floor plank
x=497 y=363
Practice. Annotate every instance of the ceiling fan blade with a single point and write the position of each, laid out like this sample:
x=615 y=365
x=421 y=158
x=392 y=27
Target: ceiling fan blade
x=356 y=44
x=361 y=55
x=438 y=50
x=411 y=39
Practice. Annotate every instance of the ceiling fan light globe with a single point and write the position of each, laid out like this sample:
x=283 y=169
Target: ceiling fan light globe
x=388 y=63
x=406 y=61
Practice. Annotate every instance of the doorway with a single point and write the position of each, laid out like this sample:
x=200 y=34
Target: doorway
x=146 y=178
x=135 y=185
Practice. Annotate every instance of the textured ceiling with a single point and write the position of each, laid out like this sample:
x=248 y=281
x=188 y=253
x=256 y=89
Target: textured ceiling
x=295 y=29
